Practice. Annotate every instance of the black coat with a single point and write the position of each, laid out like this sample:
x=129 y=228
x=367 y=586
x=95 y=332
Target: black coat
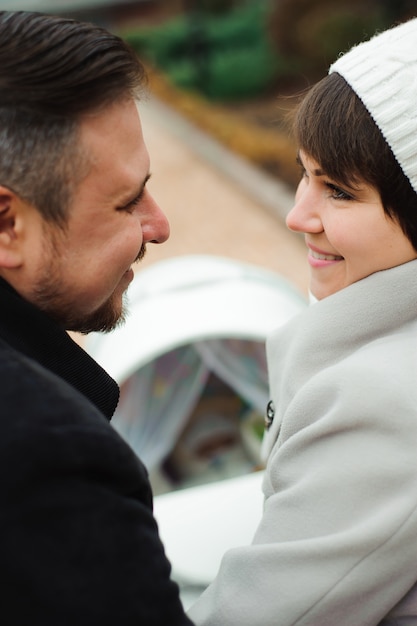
x=78 y=541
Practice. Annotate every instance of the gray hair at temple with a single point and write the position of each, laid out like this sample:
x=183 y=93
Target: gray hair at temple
x=53 y=71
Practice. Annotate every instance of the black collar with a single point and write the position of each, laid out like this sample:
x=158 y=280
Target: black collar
x=32 y=332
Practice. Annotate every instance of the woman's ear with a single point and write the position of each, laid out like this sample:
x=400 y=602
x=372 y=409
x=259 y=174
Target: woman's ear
x=11 y=218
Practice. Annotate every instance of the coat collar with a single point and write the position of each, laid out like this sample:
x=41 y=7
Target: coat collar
x=338 y=324
x=30 y=331
x=333 y=328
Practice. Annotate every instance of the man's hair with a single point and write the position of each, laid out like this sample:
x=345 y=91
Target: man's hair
x=53 y=71
x=333 y=126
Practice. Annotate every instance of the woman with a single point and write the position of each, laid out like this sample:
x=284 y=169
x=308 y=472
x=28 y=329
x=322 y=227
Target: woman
x=337 y=544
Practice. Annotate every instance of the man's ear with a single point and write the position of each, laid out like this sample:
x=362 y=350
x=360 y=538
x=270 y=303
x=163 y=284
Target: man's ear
x=11 y=217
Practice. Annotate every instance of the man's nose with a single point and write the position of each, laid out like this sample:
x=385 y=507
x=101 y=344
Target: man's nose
x=155 y=225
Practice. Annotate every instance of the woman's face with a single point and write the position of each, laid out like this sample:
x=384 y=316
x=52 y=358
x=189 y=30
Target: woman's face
x=347 y=232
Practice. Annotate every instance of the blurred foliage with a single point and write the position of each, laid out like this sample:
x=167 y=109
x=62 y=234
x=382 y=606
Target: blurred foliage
x=234 y=49
x=226 y=55
x=312 y=33
x=210 y=6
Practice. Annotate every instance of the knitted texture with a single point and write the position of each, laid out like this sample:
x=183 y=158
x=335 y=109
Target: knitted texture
x=383 y=73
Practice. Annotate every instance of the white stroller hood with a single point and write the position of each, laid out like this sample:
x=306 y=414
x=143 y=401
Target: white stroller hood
x=188 y=316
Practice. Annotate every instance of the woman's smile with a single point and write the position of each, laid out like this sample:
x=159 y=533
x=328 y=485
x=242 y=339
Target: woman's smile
x=319 y=258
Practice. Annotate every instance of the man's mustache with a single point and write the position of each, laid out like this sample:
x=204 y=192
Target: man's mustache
x=141 y=253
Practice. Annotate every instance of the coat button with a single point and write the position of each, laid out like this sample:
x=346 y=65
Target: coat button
x=270 y=413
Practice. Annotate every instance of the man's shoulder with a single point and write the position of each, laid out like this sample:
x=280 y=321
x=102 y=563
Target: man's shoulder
x=42 y=415
x=29 y=391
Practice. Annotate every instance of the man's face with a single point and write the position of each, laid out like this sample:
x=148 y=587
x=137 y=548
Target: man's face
x=84 y=270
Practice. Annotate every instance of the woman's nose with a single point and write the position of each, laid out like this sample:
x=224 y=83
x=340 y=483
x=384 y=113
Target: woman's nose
x=304 y=217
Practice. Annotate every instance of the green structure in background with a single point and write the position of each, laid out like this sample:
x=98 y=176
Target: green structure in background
x=225 y=55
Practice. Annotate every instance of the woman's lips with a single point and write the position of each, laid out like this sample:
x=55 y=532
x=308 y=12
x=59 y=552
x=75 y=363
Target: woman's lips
x=320 y=258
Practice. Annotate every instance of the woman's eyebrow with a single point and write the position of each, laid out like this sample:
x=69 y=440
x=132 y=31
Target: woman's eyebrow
x=316 y=172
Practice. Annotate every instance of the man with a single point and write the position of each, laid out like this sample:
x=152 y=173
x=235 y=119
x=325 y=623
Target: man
x=78 y=541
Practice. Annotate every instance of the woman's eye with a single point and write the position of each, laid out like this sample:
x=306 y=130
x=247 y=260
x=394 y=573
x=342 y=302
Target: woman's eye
x=337 y=193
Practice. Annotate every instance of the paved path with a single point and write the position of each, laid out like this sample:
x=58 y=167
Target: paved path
x=216 y=203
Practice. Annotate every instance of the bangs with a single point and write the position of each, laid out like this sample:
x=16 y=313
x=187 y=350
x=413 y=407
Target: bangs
x=334 y=128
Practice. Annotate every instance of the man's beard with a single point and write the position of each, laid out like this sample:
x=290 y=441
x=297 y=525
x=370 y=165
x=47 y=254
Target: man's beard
x=105 y=319
x=49 y=295
x=50 y=298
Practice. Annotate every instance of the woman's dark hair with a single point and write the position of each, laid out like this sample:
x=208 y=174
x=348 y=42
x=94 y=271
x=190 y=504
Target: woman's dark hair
x=53 y=71
x=333 y=126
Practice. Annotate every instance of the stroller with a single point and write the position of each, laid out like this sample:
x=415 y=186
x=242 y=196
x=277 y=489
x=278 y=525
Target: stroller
x=190 y=362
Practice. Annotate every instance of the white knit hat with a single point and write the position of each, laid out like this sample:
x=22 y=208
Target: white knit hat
x=383 y=73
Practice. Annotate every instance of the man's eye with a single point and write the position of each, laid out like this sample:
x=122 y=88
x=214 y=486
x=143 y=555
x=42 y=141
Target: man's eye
x=136 y=200
x=129 y=208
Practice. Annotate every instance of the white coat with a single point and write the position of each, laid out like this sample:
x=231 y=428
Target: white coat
x=337 y=544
